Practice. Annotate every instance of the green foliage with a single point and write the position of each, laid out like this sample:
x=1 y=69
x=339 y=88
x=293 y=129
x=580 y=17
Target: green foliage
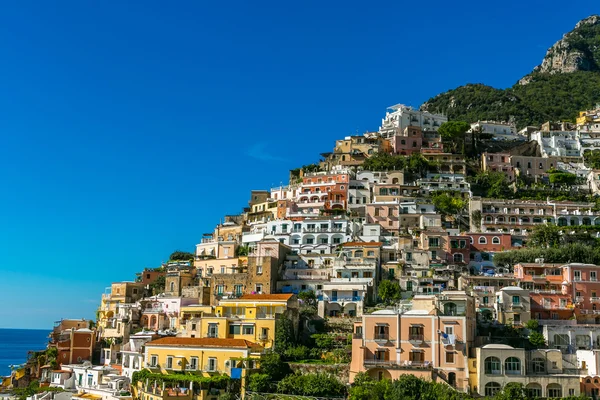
x=532 y=325
x=311 y=384
x=448 y=203
x=242 y=250
x=32 y=389
x=217 y=381
x=158 y=286
x=512 y=391
x=297 y=353
x=389 y=291
x=562 y=178
x=491 y=184
x=179 y=255
x=407 y=387
x=272 y=365
x=545 y=97
x=384 y=162
x=537 y=340
x=453 y=133
x=284 y=333
x=260 y=383
x=308 y=297
x=592 y=159
x=572 y=252
x=545 y=235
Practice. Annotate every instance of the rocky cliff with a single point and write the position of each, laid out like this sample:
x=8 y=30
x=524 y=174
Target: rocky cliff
x=567 y=81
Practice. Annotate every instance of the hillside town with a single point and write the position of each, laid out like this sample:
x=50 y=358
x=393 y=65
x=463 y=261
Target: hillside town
x=446 y=251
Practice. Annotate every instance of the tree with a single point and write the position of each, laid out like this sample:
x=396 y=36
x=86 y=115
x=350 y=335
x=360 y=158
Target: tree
x=284 y=333
x=537 y=340
x=389 y=291
x=384 y=162
x=447 y=203
x=545 y=236
x=417 y=166
x=453 y=133
x=512 y=391
x=308 y=297
x=179 y=255
x=532 y=325
x=158 y=286
x=312 y=384
x=562 y=178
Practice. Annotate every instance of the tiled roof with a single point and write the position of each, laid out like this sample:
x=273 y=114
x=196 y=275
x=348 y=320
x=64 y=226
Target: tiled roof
x=201 y=342
x=276 y=296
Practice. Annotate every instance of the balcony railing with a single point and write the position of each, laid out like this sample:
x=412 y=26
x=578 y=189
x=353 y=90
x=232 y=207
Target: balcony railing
x=415 y=338
x=398 y=365
x=382 y=336
x=212 y=334
x=262 y=336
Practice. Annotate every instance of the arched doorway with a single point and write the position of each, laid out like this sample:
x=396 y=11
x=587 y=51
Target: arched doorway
x=452 y=379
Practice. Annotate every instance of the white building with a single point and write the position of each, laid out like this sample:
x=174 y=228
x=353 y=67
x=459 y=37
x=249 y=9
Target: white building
x=399 y=116
x=132 y=353
x=499 y=130
x=558 y=143
x=450 y=182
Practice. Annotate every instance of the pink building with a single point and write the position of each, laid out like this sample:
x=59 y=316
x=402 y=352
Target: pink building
x=498 y=162
x=410 y=141
x=431 y=341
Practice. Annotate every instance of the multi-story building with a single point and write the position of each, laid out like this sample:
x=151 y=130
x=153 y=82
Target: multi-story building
x=543 y=373
x=304 y=272
x=403 y=217
x=325 y=190
x=200 y=356
x=399 y=117
x=120 y=293
x=548 y=286
x=483 y=246
x=259 y=275
x=132 y=353
x=408 y=141
x=499 y=130
x=161 y=312
x=563 y=144
x=431 y=341
x=354 y=280
x=252 y=317
x=520 y=216
x=73 y=344
x=498 y=162
x=444 y=182
x=354 y=150
x=513 y=305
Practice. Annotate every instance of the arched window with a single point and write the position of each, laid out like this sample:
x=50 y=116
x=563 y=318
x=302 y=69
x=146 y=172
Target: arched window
x=482 y=240
x=538 y=365
x=492 y=366
x=491 y=388
x=554 y=391
x=525 y=219
x=533 y=390
x=449 y=309
x=500 y=219
x=488 y=219
x=512 y=366
x=458 y=258
x=495 y=240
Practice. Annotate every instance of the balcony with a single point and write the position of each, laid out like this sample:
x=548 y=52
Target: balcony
x=263 y=336
x=210 y=368
x=382 y=336
x=212 y=334
x=416 y=338
x=594 y=299
x=397 y=365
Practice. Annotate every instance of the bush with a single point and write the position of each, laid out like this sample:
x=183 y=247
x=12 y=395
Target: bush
x=319 y=385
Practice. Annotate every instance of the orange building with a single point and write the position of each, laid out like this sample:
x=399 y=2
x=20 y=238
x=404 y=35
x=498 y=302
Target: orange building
x=431 y=341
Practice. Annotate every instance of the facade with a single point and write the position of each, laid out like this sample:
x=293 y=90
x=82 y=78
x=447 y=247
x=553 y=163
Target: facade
x=200 y=356
x=399 y=117
x=541 y=372
x=74 y=345
x=513 y=306
x=503 y=131
x=431 y=341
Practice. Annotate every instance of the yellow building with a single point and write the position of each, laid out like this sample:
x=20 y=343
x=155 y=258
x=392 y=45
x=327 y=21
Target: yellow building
x=201 y=356
x=250 y=317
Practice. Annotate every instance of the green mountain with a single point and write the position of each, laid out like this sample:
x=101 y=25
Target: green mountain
x=567 y=81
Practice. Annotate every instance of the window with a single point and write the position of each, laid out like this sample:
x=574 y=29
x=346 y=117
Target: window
x=234 y=329
x=482 y=240
x=258 y=288
x=153 y=362
x=512 y=366
x=491 y=388
x=495 y=240
x=370 y=253
x=193 y=363
x=554 y=390
x=310 y=241
x=248 y=330
x=516 y=300
x=450 y=357
x=434 y=242
x=577 y=275
x=492 y=366
x=538 y=365
x=90 y=380
x=593 y=276
x=258 y=269
x=220 y=290
x=169 y=362
x=324 y=240
x=238 y=289
x=212 y=364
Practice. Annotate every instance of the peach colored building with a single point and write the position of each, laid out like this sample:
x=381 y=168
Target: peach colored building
x=430 y=341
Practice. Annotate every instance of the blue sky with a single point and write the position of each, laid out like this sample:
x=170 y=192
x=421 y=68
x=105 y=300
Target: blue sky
x=128 y=130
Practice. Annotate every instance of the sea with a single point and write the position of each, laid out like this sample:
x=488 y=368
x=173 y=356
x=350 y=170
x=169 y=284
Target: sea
x=15 y=343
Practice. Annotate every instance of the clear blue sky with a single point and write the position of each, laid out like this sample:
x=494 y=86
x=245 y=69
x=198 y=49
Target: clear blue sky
x=128 y=130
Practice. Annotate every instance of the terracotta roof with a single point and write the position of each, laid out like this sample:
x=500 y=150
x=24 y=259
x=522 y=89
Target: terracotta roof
x=201 y=342
x=277 y=296
x=362 y=244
